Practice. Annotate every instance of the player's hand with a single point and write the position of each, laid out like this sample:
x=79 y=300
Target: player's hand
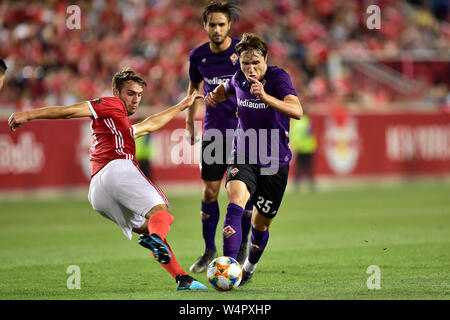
x=188 y=101
x=257 y=87
x=191 y=133
x=16 y=120
x=211 y=99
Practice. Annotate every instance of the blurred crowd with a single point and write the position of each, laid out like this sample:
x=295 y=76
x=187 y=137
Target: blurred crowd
x=49 y=64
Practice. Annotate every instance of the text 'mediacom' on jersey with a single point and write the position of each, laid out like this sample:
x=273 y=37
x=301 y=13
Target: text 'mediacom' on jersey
x=249 y=104
x=216 y=81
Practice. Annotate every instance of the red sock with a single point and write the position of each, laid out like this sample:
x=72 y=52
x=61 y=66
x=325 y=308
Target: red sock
x=160 y=223
x=172 y=267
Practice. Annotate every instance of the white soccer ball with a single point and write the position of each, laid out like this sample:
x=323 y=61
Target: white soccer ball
x=224 y=273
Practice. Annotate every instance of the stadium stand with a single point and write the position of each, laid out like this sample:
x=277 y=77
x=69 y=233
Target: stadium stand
x=324 y=44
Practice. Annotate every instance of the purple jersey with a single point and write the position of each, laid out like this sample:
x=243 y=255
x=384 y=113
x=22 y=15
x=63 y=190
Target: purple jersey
x=263 y=132
x=215 y=69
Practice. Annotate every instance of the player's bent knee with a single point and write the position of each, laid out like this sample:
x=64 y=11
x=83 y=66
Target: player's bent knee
x=210 y=195
x=156 y=208
x=260 y=226
x=210 y=191
x=142 y=229
x=260 y=223
x=239 y=199
x=237 y=193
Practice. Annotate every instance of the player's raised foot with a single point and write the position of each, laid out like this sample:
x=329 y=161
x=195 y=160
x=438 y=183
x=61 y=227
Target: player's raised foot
x=242 y=254
x=246 y=276
x=154 y=243
x=186 y=282
x=203 y=261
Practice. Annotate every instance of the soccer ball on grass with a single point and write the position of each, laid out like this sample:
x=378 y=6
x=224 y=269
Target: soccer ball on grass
x=224 y=273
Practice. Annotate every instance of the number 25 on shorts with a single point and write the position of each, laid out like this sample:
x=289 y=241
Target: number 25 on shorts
x=263 y=205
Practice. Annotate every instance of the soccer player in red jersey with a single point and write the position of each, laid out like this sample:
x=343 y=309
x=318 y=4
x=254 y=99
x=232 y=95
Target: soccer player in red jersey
x=118 y=190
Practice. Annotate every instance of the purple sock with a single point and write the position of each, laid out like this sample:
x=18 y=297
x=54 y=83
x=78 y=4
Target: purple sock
x=246 y=221
x=258 y=242
x=232 y=230
x=210 y=218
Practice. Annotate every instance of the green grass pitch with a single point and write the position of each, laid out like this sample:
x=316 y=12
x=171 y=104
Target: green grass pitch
x=320 y=247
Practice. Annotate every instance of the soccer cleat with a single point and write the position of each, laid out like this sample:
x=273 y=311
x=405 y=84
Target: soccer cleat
x=157 y=246
x=242 y=254
x=186 y=282
x=246 y=276
x=203 y=261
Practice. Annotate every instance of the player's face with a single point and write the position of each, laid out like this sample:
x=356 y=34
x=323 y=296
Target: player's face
x=253 y=64
x=217 y=27
x=131 y=95
x=2 y=77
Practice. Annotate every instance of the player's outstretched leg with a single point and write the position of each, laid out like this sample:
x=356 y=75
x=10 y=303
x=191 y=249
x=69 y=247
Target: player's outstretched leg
x=154 y=243
x=186 y=282
x=158 y=226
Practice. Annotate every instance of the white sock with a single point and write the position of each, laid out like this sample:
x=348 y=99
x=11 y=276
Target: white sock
x=249 y=267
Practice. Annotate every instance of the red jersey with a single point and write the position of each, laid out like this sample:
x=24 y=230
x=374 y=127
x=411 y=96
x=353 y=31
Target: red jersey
x=112 y=132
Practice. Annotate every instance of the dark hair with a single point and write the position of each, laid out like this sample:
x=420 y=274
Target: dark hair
x=125 y=75
x=3 y=67
x=251 y=41
x=229 y=9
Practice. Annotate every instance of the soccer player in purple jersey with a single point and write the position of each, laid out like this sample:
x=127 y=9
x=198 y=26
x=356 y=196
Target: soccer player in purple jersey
x=266 y=101
x=214 y=63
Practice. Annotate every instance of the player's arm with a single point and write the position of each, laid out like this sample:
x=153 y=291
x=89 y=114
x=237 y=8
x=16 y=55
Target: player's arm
x=78 y=110
x=217 y=96
x=192 y=111
x=159 y=120
x=289 y=106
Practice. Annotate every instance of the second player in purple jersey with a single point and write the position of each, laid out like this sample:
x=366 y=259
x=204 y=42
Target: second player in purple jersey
x=214 y=63
x=215 y=68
